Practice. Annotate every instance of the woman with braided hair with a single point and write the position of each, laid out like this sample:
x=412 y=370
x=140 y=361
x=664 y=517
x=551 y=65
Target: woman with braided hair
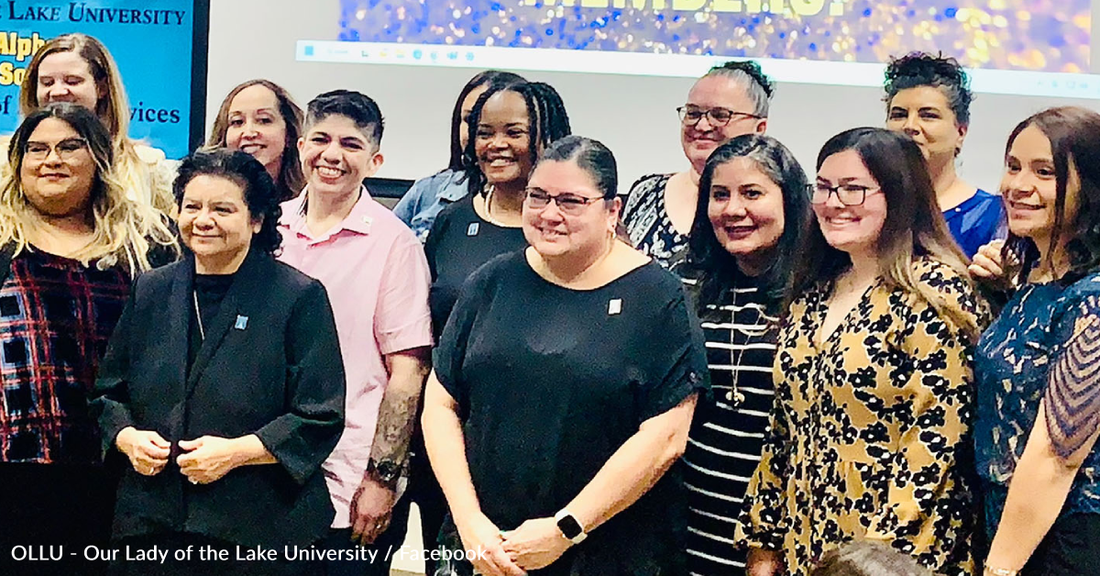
x=729 y=101
x=928 y=98
x=510 y=125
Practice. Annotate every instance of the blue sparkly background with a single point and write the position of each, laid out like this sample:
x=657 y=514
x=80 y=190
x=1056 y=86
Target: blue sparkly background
x=1040 y=35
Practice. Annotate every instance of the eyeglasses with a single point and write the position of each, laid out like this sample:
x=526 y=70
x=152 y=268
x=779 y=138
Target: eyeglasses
x=849 y=194
x=65 y=149
x=569 y=204
x=691 y=115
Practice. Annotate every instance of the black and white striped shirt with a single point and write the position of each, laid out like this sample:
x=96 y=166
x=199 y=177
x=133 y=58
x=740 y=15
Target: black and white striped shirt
x=727 y=432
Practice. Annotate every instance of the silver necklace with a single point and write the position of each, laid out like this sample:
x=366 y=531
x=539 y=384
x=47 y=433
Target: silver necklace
x=198 y=315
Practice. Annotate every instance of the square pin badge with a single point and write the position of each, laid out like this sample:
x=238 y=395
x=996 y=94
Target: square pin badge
x=241 y=323
x=614 y=306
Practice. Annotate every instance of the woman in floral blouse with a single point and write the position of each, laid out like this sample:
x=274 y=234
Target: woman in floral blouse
x=869 y=434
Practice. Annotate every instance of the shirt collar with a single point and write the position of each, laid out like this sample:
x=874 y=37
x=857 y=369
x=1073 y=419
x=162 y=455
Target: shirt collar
x=359 y=220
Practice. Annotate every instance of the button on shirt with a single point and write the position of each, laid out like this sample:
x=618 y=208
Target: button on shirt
x=377 y=279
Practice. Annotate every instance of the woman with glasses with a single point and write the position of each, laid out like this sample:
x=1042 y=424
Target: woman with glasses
x=730 y=100
x=77 y=68
x=928 y=98
x=870 y=434
x=421 y=204
x=72 y=241
x=563 y=391
x=1038 y=407
x=751 y=215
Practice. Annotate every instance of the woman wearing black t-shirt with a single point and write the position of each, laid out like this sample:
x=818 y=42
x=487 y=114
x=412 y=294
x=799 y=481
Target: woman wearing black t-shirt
x=563 y=391
x=749 y=218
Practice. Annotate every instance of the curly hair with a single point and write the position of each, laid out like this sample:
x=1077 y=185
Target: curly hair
x=922 y=69
x=125 y=232
x=290 y=181
x=1074 y=135
x=747 y=73
x=545 y=112
x=247 y=172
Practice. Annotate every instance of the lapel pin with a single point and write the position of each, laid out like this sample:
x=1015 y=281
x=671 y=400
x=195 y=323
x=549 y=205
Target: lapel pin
x=614 y=306
x=472 y=229
x=242 y=322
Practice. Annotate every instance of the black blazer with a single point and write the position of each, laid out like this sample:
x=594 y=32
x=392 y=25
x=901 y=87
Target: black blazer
x=270 y=366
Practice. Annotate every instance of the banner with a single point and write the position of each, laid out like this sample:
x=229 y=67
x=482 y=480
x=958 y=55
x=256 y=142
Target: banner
x=1025 y=35
x=152 y=41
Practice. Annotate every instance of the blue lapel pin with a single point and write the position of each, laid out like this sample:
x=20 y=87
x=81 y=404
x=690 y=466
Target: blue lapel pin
x=242 y=322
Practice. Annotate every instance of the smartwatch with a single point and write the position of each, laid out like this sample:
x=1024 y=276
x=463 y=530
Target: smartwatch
x=569 y=527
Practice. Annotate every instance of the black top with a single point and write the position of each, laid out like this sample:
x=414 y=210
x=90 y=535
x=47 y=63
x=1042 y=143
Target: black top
x=270 y=365
x=461 y=241
x=727 y=432
x=550 y=382
x=210 y=290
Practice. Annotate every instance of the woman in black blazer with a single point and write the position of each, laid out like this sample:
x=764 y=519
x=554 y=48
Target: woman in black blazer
x=224 y=387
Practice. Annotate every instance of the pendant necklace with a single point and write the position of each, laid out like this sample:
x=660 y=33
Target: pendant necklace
x=735 y=396
x=198 y=315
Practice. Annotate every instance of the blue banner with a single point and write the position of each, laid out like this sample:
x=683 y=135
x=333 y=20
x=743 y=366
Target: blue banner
x=152 y=41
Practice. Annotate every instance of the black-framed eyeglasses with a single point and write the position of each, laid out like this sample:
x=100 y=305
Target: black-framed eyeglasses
x=850 y=194
x=569 y=204
x=65 y=149
x=691 y=115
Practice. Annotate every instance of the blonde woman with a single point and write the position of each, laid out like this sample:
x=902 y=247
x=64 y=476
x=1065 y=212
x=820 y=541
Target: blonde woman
x=72 y=241
x=77 y=68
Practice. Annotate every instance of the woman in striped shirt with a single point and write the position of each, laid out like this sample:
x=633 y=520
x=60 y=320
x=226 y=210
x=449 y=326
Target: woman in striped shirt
x=752 y=209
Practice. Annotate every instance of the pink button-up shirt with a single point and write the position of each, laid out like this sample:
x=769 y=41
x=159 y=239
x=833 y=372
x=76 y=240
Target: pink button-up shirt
x=377 y=279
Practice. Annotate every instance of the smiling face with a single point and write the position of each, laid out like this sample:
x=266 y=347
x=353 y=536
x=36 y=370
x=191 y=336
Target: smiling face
x=700 y=139
x=745 y=209
x=1030 y=187
x=924 y=113
x=552 y=233
x=256 y=127
x=66 y=77
x=502 y=142
x=58 y=170
x=337 y=155
x=214 y=221
x=851 y=229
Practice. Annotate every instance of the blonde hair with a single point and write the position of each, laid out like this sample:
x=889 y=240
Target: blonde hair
x=113 y=110
x=125 y=231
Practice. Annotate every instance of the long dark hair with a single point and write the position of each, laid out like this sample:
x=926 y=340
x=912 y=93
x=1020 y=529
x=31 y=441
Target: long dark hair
x=717 y=268
x=1074 y=135
x=485 y=78
x=914 y=225
x=545 y=112
x=247 y=172
x=291 y=180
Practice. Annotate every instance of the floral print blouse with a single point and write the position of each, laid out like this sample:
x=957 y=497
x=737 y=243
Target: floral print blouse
x=870 y=436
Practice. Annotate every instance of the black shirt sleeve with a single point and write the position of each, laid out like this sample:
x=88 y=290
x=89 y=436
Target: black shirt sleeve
x=682 y=360
x=451 y=348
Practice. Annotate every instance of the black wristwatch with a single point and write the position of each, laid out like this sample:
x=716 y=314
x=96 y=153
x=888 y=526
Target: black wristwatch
x=386 y=472
x=569 y=527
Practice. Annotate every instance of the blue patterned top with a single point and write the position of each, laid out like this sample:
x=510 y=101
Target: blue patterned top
x=1044 y=327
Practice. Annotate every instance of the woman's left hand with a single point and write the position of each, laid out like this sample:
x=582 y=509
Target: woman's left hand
x=535 y=544
x=208 y=458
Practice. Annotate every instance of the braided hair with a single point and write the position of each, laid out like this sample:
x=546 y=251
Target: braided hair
x=546 y=115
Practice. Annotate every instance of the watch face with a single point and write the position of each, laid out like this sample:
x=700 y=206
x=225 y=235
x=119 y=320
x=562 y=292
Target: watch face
x=569 y=527
x=388 y=470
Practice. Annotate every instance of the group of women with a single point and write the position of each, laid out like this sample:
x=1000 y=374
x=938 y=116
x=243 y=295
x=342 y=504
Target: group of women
x=852 y=357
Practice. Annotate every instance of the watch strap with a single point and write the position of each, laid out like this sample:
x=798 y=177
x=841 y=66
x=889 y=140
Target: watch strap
x=570 y=528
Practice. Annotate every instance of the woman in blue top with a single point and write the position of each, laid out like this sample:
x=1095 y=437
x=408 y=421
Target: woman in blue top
x=1037 y=366
x=928 y=98
x=423 y=202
